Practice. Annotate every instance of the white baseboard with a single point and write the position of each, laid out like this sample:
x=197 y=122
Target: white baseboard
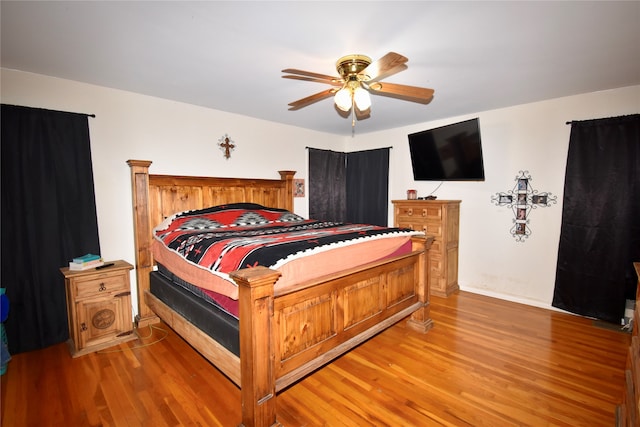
x=512 y=298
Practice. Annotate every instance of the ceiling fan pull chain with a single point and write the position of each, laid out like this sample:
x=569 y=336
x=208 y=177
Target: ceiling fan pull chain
x=353 y=116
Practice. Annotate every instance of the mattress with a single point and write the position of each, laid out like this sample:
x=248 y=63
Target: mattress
x=203 y=246
x=198 y=308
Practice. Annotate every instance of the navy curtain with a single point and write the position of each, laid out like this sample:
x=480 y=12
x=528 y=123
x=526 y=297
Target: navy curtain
x=48 y=217
x=349 y=187
x=600 y=232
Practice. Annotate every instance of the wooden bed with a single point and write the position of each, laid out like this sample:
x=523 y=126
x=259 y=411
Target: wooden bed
x=283 y=336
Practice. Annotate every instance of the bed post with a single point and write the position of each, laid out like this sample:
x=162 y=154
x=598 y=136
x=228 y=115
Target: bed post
x=287 y=176
x=421 y=318
x=142 y=232
x=257 y=347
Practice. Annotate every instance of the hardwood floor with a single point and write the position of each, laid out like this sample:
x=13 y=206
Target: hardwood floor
x=486 y=362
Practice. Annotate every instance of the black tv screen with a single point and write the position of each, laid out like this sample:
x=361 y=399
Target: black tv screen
x=448 y=153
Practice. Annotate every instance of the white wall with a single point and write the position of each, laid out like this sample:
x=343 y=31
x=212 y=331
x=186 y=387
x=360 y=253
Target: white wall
x=182 y=139
x=179 y=138
x=532 y=137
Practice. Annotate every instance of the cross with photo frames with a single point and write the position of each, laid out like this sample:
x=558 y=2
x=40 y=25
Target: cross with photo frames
x=522 y=199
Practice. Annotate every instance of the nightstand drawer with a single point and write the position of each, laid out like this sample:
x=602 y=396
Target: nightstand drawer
x=100 y=285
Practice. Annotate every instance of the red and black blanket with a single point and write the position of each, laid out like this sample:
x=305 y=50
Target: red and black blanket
x=230 y=237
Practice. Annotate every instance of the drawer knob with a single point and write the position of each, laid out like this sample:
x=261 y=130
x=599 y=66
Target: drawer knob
x=409 y=212
x=83 y=326
x=102 y=287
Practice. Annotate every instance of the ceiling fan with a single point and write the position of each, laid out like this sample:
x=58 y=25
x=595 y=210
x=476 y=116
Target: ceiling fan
x=359 y=76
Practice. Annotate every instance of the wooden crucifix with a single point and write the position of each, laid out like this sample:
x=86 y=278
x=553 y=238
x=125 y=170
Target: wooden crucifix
x=226 y=145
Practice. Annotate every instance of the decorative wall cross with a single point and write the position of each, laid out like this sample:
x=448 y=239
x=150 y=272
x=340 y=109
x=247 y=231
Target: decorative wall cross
x=522 y=199
x=227 y=145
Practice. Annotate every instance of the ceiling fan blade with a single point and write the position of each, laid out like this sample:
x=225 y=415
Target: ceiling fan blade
x=310 y=74
x=389 y=72
x=384 y=65
x=409 y=93
x=334 y=82
x=296 y=105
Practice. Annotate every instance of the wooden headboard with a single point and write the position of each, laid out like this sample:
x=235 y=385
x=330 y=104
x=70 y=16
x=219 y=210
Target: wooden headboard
x=155 y=197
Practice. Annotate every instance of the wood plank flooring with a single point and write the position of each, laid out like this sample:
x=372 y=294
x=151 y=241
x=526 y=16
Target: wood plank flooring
x=487 y=362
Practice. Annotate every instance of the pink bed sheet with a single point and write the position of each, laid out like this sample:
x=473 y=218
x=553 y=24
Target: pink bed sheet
x=295 y=271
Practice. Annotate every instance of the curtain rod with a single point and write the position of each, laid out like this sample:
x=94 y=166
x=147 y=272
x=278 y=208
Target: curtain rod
x=49 y=109
x=306 y=148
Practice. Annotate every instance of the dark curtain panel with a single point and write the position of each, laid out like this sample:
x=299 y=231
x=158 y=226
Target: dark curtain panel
x=367 y=187
x=327 y=185
x=600 y=233
x=349 y=187
x=48 y=217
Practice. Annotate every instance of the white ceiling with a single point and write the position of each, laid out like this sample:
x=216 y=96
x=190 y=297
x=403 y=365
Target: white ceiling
x=229 y=55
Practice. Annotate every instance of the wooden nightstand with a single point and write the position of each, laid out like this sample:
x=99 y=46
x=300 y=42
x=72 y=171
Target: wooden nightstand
x=98 y=307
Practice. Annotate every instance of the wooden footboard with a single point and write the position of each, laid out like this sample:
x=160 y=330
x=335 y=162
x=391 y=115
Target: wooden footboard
x=283 y=336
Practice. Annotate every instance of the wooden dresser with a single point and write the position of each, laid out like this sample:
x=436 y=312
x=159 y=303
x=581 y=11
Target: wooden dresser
x=98 y=307
x=441 y=219
x=628 y=414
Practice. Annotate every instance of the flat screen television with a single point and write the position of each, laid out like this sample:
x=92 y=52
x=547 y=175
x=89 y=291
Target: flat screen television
x=448 y=153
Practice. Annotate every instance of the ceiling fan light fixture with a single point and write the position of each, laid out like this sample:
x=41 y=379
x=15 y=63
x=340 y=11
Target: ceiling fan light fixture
x=343 y=99
x=359 y=78
x=362 y=98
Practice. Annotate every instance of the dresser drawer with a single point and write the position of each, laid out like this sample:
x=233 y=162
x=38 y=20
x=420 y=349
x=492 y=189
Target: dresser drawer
x=435 y=264
x=102 y=284
x=430 y=228
x=429 y=213
x=436 y=247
